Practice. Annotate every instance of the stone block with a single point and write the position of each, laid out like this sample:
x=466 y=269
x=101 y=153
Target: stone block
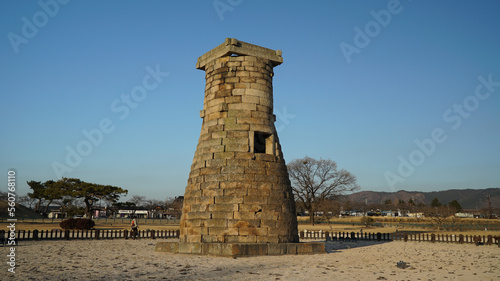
x=256 y=164
x=244 y=155
x=254 y=170
x=262 y=81
x=192 y=193
x=224 y=155
x=204 y=200
x=260 y=128
x=237 y=134
x=212 y=126
x=250 y=99
x=215 y=177
x=215 y=102
x=209 y=185
x=237 y=147
x=223 y=208
x=242 y=85
x=215 y=148
x=291 y=249
x=242 y=74
x=257 y=92
x=210 y=170
x=264 y=157
x=241 y=177
x=198 y=165
x=248 y=79
x=222 y=215
x=256 y=74
x=216 y=223
x=242 y=106
x=198 y=208
x=238 y=223
x=251 y=208
x=212 y=192
x=266 y=215
x=253 y=120
x=196 y=230
x=239 y=92
x=215 y=163
x=232 y=99
x=232 y=170
x=235 y=192
x=258 y=192
x=238 y=162
x=266 y=102
x=230 y=184
x=237 y=127
x=220 y=70
x=243 y=140
x=265 y=109
x=310 y=248
x=216 y=115
x=252 y=199
x=266 y=178
x=244 y=215
x=228 y=200
x=219 y=135
x=235 y=79
x=241 y=239
x=239 y=113
x=191 y=239
x=251 y=250
x=224 y=93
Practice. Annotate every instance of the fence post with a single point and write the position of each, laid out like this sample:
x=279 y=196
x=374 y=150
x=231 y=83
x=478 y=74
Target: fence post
x=153 y=234
x=125 y=233
x=97 y=234
x=406 y=237
x=379 y=236
x=461 y=239
x=433 y=237
x=35 y=234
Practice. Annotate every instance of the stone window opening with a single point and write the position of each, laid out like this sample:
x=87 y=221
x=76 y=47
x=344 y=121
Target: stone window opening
x=263 y=143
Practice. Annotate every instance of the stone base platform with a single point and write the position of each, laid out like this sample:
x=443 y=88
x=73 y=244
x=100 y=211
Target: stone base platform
x=241 y=249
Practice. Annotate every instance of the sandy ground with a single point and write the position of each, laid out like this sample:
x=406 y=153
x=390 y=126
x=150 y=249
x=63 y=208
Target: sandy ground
x=137 y=260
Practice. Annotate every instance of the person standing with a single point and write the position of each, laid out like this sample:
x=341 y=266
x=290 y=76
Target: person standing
x=134 y=228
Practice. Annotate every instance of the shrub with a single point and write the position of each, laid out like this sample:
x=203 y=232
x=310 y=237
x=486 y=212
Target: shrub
x=77 y=224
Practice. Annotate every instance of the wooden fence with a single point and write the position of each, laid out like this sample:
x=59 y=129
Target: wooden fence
x=400 y=236
x=57 y=234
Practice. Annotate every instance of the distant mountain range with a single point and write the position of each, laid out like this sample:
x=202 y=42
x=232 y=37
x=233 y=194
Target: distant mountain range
x=475 y=199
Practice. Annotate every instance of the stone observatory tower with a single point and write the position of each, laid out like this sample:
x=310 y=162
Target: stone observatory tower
x=238 y=190
x=238 y=200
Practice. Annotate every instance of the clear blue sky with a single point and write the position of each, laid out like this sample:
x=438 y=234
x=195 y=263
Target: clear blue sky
x=362 y=83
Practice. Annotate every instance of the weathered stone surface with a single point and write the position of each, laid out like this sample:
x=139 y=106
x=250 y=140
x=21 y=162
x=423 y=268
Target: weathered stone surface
x=238 y=189
x=241 y=249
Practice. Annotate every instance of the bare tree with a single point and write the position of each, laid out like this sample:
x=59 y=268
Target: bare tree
x=439 y=215
x=26 y=201
x=315 y=180
x=329 y=209
x=138 y=200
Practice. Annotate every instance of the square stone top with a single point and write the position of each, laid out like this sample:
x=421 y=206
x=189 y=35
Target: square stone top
x=234 y=46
